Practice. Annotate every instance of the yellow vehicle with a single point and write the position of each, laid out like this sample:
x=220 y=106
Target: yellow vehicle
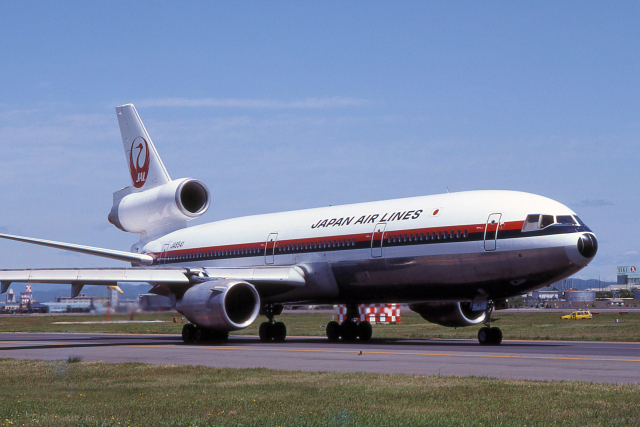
x=584 y=314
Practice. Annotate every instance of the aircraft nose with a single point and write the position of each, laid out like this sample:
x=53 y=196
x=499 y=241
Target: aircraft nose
x=587 y=245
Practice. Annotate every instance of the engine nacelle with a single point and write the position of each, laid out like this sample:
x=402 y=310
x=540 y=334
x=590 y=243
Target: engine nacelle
x=174 y=202
x=452 y=314
x=224 y=304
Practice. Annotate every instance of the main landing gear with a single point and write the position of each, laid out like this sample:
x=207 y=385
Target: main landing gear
x=271 y=330
x=349 y=330
x=195 y=334
x=488 y=335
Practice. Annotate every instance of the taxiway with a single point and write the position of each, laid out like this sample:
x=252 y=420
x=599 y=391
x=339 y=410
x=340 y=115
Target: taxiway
x=602 y=362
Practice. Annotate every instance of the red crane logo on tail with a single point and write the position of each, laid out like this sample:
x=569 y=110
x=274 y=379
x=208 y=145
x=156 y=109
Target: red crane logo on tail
x=139 y=167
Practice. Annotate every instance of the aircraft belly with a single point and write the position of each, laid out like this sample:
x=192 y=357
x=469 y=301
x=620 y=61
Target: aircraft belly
x=452 y=276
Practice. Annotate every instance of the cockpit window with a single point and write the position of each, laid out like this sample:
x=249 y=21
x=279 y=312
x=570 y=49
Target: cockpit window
x=565 y=219
x=579 y=220
x=538 y=222
x=546 y=221
x=531 y=223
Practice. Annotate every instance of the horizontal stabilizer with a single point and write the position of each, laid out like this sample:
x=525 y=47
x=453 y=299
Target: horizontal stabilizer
x=105 y=253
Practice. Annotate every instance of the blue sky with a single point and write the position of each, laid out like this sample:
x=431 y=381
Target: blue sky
x=287 y=105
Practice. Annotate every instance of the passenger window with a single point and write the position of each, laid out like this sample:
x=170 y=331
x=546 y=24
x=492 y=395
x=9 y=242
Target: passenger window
x=466 y=233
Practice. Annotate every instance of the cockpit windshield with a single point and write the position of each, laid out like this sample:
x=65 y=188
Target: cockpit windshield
x=565 y=219
x=538 y=222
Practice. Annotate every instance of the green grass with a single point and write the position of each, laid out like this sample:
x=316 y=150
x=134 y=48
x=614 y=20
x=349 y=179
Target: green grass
x=57 y=393
x=536 y=325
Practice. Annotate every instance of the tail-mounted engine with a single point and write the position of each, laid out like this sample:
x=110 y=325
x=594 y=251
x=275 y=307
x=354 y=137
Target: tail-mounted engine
x=224 y=304
x=456 y=314
x=174 y=202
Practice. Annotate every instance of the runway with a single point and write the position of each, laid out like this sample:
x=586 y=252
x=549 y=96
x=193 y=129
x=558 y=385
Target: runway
x=601 y=362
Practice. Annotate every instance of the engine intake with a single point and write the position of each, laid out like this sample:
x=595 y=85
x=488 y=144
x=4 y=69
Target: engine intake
x=176 y=201
x=456 y=314
x=224 y=304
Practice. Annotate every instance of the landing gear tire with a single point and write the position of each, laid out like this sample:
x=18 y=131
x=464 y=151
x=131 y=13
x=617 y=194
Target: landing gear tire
x=217 y=336
x=333 y=331
x=188 y=333
x=200 y=335
x=349 y=331
x=265 y=331
x=497 y=336
x=489 y=336
x=365 y=331
x=279 y=331
x=483 y=336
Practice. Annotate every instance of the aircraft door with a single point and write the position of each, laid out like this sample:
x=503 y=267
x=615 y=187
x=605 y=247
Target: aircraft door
x=270 y=249
x=377 y=239
x=491 y=231
x=163 y=255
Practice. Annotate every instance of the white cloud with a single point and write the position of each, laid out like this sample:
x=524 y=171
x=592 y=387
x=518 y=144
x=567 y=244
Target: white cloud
x=308 y=103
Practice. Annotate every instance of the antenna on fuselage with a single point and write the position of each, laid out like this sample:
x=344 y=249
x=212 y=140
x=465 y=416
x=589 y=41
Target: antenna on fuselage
x=447 y=189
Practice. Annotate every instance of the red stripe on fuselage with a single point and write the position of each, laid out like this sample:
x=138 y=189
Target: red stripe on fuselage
x=258 y=248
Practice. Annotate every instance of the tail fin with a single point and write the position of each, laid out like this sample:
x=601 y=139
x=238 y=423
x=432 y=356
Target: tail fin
x=145 y=165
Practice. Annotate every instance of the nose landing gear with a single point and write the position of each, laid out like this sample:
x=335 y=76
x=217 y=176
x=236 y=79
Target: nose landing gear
x=488 y=335
x=271 y=330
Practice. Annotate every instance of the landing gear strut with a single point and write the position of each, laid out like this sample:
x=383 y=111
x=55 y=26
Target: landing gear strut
x=195 y=334
x=271 y=330
x=488 y=335
x=349 y=330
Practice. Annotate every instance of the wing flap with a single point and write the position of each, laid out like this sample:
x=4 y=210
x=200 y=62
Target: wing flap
x=290 y=276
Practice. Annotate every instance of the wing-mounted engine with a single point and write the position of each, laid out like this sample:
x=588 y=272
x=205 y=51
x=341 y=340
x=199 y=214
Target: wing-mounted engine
x=223 y=304
x=456 y=314
x=172 y=203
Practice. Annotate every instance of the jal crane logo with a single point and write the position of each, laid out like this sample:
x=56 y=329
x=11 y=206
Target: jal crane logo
x=139 y=167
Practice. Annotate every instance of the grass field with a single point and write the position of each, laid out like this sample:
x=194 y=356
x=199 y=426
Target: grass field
x=62 y=393
x=525 y=325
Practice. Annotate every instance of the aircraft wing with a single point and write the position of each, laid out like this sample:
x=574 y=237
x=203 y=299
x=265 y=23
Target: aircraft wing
x=266 y=279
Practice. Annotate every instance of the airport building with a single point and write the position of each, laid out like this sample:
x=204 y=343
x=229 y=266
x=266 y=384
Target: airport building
x=576 y=296
x=545 y=295
x=628 y=276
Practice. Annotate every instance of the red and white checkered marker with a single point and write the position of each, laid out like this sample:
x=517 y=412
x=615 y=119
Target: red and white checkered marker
x=385 y=314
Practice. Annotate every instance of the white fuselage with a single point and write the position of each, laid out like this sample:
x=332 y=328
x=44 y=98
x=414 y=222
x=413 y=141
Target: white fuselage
x=448 y=247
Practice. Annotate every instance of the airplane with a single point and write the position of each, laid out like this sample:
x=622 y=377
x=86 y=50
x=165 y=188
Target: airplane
x=453 y=257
